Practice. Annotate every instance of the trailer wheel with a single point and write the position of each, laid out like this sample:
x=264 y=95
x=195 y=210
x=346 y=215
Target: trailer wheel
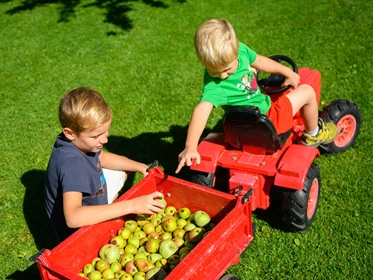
x=299 y=207
x=347 y=117
x=229 y=277
x=203 y=178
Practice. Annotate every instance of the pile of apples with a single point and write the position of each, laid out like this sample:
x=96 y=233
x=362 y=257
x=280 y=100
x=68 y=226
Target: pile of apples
x=150 y=246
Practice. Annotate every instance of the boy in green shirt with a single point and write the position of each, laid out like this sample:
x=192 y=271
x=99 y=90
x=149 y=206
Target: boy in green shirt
x=229 y=80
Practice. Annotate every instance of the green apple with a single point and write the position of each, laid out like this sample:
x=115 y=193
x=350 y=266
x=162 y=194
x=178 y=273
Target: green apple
x=184 y=213
x=201 y=218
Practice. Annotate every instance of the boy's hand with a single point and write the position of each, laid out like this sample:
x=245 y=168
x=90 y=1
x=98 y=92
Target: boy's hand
x=147 y=204
x=293 y=80
x=186 y=157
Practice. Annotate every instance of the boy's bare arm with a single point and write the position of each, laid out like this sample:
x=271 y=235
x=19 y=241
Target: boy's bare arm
x=77 y=215
x=117 y=162
x=197 y=124
x=268 y=65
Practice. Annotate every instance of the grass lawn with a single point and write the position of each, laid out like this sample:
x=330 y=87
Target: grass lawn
x=140 y=56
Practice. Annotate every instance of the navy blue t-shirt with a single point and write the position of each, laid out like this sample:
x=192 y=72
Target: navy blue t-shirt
x=70 y=170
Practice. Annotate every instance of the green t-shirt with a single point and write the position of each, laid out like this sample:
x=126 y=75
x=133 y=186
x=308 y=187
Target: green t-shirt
x=239 y=89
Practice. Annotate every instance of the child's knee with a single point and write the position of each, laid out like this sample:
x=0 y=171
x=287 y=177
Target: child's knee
x=307 y=89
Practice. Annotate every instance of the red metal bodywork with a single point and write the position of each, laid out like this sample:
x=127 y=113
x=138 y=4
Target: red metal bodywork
x=250 y=167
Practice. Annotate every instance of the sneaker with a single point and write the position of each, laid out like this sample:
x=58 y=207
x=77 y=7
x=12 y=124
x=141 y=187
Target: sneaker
x=327 y=133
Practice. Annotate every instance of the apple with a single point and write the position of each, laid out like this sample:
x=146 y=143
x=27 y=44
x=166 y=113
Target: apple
x=119 y=274
x=189 y=227
x=196 y=234
x=169 y=225
x=125 y=233
x=161 y=263
x=167 y=248
x=126 y=276
x=130 y=248
x=140 y=255
x=152 y=245
x=174 y=260
x=154 y=257
x=125 y=258
x=179 y=241
x=131 y=268
x=108 y=273
x=184 y=213
x=141 y=264
x=181 y=223
x=94 y=275
x=131 y=225
x=184 y=250
x=166 y=235
x=95 y=260
x=116 y=266
x=178 y=232
x=118 y=241
x=140 y=275
x=139 y=234
x=161 y=199
x=134 y=241
x=88 y=268
x=148 y=228
x=201 y=218
x=102 y=264
x=156 y=221
x=154 y=235
x=156 y=273
x=170 y=210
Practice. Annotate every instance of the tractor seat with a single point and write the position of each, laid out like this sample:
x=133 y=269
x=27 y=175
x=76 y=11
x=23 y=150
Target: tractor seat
x=247 y=127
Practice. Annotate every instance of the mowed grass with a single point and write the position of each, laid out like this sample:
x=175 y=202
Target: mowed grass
x=140 y=56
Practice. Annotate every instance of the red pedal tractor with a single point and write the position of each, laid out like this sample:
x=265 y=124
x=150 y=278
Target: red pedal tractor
x=251 y=156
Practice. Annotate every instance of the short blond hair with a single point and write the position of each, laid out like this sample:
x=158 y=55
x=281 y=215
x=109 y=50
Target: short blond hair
x=216 y=44
x=83 y=109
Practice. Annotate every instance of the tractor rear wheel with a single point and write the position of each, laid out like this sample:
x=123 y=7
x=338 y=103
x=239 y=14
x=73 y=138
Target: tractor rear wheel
x=299 y=207
x=203 y=178
x=347 y=117
x=218 y=180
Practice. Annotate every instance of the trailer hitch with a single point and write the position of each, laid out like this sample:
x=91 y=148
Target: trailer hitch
x=247 y=195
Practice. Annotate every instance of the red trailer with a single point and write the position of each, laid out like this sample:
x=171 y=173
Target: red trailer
x=208 y=260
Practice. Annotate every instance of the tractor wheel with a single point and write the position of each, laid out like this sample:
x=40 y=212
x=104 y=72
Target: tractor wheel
x=203 y=179
x=299 y=207
x=218 y=180
x=347 y=117
x=229 y=277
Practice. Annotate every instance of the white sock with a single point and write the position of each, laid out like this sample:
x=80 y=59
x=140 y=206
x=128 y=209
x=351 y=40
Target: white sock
x=313 y=132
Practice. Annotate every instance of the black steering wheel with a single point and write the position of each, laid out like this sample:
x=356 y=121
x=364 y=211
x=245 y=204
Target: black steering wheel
x=275 y=80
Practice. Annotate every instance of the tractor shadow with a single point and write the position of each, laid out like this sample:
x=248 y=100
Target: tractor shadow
x=115 y=11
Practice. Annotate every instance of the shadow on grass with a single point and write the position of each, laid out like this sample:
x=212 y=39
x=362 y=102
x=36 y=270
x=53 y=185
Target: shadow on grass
x=36 y=218
x=114 y=10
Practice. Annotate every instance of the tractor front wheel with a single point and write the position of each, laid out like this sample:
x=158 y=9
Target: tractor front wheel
x=299 y=207
x=347 y=117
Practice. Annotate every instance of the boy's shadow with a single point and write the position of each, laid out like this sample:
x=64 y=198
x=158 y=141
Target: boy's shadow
x=36 y=218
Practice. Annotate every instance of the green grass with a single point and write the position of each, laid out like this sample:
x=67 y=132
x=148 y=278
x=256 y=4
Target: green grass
x=139 y=55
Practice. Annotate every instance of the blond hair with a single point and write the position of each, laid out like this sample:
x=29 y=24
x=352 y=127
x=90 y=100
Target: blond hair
x=83 y=109
x=216 y=44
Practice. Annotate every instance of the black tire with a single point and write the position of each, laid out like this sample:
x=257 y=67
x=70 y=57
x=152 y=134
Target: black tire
x=229 y=277
x=299 y=207
x=203 y=178
x=347 y=117
x=218 y=180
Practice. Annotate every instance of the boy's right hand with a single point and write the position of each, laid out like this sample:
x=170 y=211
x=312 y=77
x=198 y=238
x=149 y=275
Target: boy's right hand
x=186 y=157
x=147 y=204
